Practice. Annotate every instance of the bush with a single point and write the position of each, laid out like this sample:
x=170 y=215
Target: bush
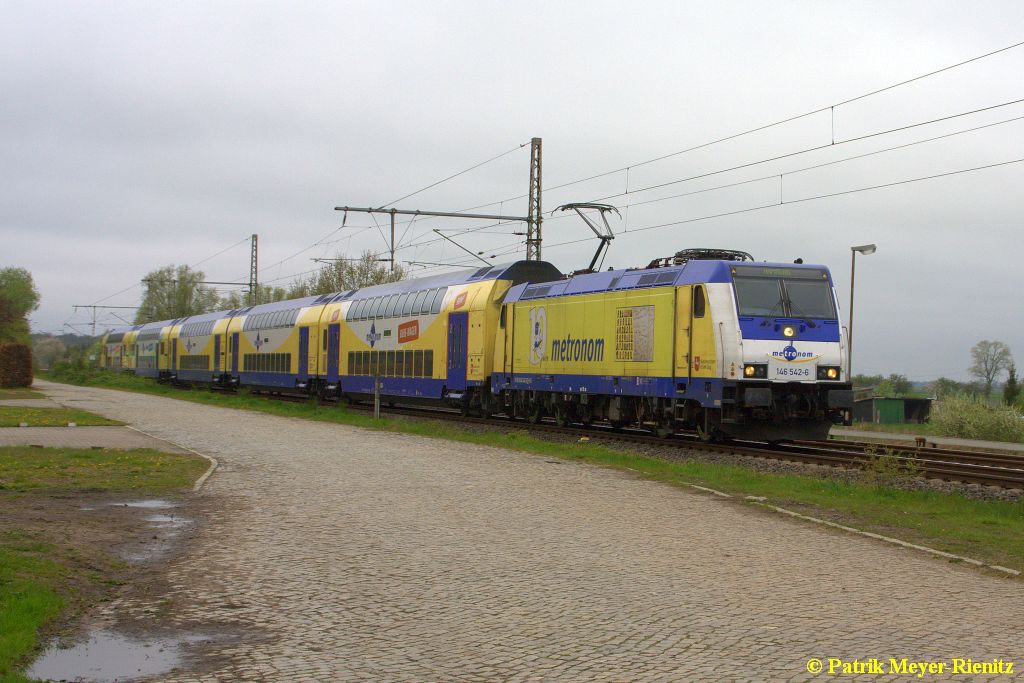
x=972 y=418
x=15 y=365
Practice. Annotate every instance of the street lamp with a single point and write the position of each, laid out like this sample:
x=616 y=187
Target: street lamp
x=864 y=249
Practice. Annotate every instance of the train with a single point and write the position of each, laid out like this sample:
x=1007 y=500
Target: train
x=706 y=341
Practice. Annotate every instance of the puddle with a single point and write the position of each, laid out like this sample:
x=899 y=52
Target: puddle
x=153 y=504
x=108 y=656
x=167 y=521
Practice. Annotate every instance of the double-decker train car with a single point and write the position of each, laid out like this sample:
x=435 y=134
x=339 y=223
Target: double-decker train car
x=711 y=342
x=707 y=340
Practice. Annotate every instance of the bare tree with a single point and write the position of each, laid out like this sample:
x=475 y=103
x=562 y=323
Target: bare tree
x=345 y=273
x=175 y=292
x=990 y=358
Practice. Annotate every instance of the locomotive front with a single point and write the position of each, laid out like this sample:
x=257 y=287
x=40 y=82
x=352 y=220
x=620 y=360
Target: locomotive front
x=792 y=380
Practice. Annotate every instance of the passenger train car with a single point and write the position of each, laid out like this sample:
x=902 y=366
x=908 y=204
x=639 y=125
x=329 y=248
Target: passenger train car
x=707 y=340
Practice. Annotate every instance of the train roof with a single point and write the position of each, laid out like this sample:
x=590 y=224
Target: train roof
x=691 y=272
x=517 y=271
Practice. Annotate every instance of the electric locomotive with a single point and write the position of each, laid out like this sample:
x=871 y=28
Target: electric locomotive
x=706 y=340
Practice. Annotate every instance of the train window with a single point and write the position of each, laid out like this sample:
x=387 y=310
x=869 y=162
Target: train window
x=407 y=306
x=399 y=364
x=809 y=298
x=361 y=309
x=501 y=317
x=378 y=306
x=438 y=300
x=418 y=303
x=389 y=367
x=698 y=302
x=391 y=305
x=324 y=343
x=759 y=296
x=408 y=363
x=400 y=306
x=350 y=312
x=428 y=363
x=417 y=363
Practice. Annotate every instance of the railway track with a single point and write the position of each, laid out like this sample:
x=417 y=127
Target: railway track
x=989 y=469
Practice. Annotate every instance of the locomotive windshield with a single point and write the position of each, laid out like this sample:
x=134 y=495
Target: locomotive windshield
x=783 y=292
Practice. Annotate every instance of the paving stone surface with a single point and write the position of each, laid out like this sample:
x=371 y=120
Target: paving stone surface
x=346 y=555
x=108 y=436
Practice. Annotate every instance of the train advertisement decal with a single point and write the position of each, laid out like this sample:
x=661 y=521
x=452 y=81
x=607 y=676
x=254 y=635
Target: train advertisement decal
x=538 y=334
x=408 y=332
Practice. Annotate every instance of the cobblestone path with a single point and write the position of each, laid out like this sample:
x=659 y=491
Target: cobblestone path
x=343 y=554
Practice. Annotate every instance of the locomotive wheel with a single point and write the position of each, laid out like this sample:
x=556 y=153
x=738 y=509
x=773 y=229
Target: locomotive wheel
x=562 y=416
x=536 y=412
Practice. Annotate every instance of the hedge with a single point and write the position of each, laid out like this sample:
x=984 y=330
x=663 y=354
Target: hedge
x=15 y=365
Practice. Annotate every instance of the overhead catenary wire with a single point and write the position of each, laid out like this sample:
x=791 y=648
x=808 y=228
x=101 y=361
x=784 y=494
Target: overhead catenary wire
x=757 y=129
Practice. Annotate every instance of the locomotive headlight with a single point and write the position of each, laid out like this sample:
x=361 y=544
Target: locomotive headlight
x=828 y=372
x=755 y=371
x=788 y=331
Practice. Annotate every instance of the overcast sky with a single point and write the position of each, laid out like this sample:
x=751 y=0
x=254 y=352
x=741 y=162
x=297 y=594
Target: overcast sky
x=136 y=135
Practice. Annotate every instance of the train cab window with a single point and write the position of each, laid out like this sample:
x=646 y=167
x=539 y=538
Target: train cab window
x=698 y=302
x=391 y=305
x=438 y=300
x=501 y=318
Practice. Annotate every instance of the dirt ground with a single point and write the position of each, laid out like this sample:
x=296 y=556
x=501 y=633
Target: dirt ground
x=110 y=543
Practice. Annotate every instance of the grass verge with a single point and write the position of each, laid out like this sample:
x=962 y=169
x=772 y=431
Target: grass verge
x=40 y=579
x=24 y=468
x=991 y=531
x=19 y=393
x=13 y=416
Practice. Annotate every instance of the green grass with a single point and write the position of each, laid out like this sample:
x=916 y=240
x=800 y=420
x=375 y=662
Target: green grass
x=991 y=531
x=30 y=595
x=11 y=394
x=12 y=416
x=23 y=468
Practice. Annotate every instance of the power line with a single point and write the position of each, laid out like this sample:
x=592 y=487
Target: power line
x=760 y=128
x=801 y=200
x=454 y=175
x=794 y=171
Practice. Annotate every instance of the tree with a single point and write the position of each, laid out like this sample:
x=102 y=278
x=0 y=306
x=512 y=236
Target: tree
x=18 y=298
x=344 y=274
x=990 y=359
x=175 y=292
x=1011 y=390
x=267 y=294
x=48 y=350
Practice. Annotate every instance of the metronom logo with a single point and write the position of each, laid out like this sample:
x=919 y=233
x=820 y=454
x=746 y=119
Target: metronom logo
x=577 y=349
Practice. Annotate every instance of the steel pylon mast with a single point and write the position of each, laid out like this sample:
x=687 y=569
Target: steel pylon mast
x=254 y=285
x=533 y=233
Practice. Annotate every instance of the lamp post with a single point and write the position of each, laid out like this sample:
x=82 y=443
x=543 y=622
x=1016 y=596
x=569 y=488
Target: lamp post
x=864 y=249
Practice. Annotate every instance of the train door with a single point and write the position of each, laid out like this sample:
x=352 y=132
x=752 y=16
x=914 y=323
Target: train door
x=703 y=348
x=683 y=367
x=234 y=353
x=303 y=353
x=457 y=336
x=333 y=351
x=216 y=353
